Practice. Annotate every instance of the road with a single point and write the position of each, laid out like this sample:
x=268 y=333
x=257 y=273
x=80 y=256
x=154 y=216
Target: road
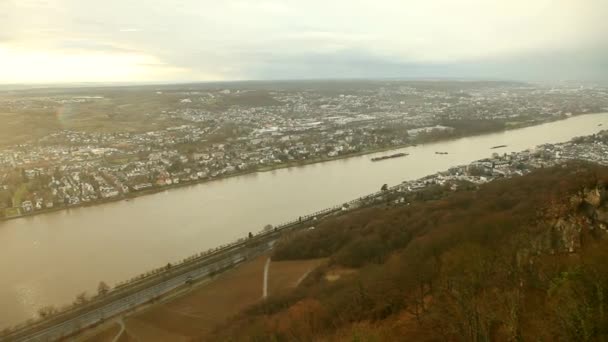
x=147 y=290
x=265 y=285
x=127 y=303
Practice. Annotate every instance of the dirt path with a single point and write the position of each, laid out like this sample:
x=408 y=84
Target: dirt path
x=302 y=277
x=265 y=286
x=121 y=331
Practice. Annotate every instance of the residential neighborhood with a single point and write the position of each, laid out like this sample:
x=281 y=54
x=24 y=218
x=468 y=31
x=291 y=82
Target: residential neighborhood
x=592 y=148
x=198 y=134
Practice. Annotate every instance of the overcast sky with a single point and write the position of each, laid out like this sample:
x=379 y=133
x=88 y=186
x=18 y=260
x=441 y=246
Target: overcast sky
x=200 y=40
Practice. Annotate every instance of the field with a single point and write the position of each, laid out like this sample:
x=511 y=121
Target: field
x=196 y=313
x=29 y=114
x=19 y=127
x=286 y=275
x=106 y=335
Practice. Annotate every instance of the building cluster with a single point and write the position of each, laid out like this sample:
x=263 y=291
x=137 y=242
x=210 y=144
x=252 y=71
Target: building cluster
x=592 y=148
x=226 y=132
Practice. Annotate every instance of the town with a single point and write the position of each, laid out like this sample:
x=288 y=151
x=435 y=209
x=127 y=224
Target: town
x=592 y=149
x=82 y=150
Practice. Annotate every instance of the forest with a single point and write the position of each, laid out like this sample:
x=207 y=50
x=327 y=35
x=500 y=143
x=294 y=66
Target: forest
x=521 y=259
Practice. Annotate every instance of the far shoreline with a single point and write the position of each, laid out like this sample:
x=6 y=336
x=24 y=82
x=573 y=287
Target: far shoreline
x=270 y=168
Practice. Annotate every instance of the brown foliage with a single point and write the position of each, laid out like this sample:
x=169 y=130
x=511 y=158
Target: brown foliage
x=463 y=267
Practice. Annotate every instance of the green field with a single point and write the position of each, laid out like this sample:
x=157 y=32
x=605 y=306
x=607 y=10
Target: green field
x=33 y=113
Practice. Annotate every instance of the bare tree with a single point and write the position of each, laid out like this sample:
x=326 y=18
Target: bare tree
x=103 y=288
x=47 y=311
x=81 y=299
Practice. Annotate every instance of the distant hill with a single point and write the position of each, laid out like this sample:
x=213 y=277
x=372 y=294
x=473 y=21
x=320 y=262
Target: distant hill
x=520 y=259
x=321 y=84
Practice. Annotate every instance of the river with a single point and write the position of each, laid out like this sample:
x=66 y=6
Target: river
x=48 y=259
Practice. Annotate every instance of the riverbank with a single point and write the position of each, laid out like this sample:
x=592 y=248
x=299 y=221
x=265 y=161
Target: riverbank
x=62 y=254
x=267 y=168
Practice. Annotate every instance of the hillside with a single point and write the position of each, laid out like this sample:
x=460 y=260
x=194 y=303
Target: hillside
x=516 y=260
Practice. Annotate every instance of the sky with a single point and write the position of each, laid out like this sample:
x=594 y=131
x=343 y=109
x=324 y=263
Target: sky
x=63 y=41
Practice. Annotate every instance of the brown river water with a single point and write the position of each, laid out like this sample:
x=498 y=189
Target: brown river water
x=49 y=258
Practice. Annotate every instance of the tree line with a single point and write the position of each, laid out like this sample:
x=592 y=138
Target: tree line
x=473 y=265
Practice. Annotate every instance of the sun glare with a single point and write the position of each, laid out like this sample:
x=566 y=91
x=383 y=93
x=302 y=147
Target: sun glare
x=17 y=66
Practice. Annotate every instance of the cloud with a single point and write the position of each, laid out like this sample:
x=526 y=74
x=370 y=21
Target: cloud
x=552 y=65
x=93 y=46
x=30 y=66
x=236 y=39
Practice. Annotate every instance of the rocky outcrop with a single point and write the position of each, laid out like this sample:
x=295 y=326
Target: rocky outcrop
x=563 y=232
x=593 y=197
x=566 y=236
x=601 y=215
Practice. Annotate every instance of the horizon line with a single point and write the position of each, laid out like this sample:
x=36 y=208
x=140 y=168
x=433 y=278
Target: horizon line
x=44 y=85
